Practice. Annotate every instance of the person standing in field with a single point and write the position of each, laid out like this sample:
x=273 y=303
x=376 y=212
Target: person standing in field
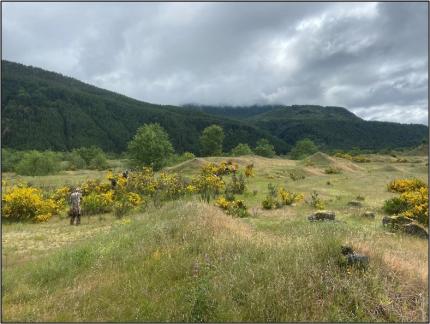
x=75 y=203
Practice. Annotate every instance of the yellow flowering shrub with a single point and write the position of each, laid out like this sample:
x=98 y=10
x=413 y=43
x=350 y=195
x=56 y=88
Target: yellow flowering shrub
x=249 y=170
x=403 y=185
x=232 y=207
x=97 y=203
x=142 y=182
x=125 y=203
x=95 y=186
x=418 y=202
x=288 y=197
x=190 y=189
x=413 y=201
x=277 y=198
x=223 y=168
x=22 y=203
x=61 y=196
x=170 y=185
x=208 y=185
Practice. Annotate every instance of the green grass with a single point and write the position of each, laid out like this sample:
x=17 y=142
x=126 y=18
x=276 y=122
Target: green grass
x=188 y=261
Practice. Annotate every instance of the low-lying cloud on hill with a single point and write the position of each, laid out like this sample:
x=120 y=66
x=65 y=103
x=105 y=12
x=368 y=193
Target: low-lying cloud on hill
x=371 y=58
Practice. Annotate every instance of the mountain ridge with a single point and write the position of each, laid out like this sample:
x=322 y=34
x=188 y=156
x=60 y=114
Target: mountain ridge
x=46 y=110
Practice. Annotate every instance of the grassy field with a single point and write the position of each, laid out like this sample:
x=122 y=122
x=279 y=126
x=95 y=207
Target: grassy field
x=189 y=261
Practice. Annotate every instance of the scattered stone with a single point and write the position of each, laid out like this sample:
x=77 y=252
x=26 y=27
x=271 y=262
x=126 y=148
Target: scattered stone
x=322 y=215
x=355 y=203
x=416 y=230
x=395 y=221
x=353 y=258
x=369 y=214
x=358 y=260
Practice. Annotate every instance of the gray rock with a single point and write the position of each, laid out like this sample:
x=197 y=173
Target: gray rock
x=355 y=203
x=396 y=221
x=369 y=214
x=416 y=230
x=322 y=215
x=358 y=260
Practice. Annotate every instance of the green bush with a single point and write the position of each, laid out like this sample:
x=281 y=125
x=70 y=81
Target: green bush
x=241 y=149
x=10 y=159
x=75 y=161
x=264 y=148
x=395 y=206
x=150 y=147
x=237 y=184
x=211 y=140
x=302 y=149
x=34 y=163
x=99 y=162
x=176 y=158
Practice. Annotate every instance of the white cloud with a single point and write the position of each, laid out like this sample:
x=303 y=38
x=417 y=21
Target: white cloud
x=368 y=57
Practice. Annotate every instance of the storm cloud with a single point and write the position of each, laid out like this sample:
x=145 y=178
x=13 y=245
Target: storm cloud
x=371 y=58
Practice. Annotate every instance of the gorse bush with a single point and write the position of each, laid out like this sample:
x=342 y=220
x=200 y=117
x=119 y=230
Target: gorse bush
x=232 y=206
x=97 y=203
x=278 y=197
x=413 y=201
x=403 y=185
x=22 y=203
x=125 y=202
x=315 y=201
x=249 y=170
x=237 y=184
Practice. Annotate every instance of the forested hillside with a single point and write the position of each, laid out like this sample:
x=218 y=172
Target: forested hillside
x=329 y=127
x=46 y=110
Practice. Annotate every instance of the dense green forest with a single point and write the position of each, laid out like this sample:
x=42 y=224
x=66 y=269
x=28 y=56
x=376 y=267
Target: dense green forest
x=329 y=127
x=45 y=110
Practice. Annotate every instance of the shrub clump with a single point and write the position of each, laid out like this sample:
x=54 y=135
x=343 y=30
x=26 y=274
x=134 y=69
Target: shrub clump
x=23 y=203
x=277 y=198
x=413 y=201
x=332 y=170
x=404 y=185
x=35 y=163
x=232 y=206
x=315 y=201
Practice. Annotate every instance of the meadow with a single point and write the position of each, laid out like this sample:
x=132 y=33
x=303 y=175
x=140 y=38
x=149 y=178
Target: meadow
x=187 y=260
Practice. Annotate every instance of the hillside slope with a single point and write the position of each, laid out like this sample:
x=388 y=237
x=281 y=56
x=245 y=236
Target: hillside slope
x=45 y=110
x=329 y=127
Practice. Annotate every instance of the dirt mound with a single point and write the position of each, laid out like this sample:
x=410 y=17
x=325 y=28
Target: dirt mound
x=421 y=150
x=190 y=166
x=324 y=161
x=388 y=168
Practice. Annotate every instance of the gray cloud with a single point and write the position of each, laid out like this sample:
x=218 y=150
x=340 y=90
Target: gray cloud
x=368 y=57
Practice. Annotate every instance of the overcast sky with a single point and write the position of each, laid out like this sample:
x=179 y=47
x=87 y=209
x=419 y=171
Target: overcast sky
x=371 y=58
